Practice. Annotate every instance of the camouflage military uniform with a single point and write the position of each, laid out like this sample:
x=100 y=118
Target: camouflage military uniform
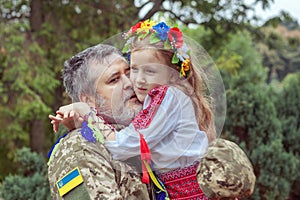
x=225 y=172
x=103 y=177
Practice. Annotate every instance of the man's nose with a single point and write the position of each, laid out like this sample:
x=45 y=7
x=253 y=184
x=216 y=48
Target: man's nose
x=126 y=82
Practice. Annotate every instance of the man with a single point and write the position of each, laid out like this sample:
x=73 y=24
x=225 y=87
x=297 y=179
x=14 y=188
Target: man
x=81 y=169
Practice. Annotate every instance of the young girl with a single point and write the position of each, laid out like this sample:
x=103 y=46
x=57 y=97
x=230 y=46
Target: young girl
x=176 y=122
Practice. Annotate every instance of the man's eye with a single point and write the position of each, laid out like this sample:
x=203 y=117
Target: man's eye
x=114 y=80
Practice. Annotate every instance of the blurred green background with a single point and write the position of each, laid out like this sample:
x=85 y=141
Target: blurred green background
x=259 y=64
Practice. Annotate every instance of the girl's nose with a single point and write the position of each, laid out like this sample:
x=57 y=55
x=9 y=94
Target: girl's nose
x=140 y=77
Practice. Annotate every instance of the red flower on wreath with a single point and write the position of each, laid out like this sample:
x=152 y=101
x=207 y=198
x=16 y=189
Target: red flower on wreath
x=175 y=37
x=135 y=27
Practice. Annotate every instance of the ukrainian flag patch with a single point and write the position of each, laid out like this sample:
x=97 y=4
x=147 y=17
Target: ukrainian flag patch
x=69 y=181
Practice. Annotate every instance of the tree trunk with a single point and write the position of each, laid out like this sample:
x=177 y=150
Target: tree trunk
x=37 y=136
x=36 y=15
x=37 y=132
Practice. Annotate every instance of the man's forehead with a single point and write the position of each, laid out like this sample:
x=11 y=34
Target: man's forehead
x=112 y=64
x=106 y=62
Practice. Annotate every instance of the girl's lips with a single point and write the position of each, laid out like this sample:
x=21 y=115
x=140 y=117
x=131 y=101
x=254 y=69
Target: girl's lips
x=142 y=89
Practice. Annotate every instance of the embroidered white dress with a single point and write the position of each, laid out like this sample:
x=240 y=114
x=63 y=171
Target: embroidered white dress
x=170 y=128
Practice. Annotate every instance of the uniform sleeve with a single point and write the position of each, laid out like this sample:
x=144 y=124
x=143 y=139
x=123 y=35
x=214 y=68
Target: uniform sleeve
x=103 y=178
x=163 y=122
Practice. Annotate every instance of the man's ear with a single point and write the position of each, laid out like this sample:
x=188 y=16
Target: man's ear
x=87 y=99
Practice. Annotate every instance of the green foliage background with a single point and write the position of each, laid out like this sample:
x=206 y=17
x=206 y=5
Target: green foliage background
x=260 y=68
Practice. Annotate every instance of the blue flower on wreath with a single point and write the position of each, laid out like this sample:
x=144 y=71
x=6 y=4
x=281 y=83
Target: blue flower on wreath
x=162 y=30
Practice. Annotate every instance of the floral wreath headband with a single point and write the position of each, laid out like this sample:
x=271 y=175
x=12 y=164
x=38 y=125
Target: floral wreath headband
x=171 y=37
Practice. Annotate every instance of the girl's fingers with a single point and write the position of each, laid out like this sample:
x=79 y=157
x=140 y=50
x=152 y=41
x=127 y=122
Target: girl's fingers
x=59 y=112
x=55 y=121
x=55 y=125
x=58 y=117
x=52 y=117
x=66 y=114
x=55 y=128
x=72 y=113
x=67 y=117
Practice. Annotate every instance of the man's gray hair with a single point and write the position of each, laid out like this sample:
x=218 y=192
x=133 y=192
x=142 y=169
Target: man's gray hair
x=77 y=74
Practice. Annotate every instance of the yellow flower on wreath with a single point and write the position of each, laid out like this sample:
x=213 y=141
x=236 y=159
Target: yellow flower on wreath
x=185 y=68
x=147 y=25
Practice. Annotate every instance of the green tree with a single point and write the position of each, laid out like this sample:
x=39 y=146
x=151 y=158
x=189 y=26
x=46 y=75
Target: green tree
x=252 y=119
x=28 y=83
x=37 y=36
x=288 y=106
x=279 y=44
x=30 y=182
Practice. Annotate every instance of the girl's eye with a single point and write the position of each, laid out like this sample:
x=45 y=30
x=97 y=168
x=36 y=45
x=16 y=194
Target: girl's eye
x=150 y=71
x=134 y=69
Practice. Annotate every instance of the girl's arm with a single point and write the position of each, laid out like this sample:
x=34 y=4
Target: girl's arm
x=72 y=116
x=163 y=113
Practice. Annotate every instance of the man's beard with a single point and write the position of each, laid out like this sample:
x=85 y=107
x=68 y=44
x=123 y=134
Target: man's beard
x=114 y=113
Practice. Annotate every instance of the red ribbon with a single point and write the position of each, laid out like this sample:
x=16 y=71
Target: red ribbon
x=145 y=156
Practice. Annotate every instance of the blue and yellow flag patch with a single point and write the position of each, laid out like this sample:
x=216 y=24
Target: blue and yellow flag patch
x=69 y=181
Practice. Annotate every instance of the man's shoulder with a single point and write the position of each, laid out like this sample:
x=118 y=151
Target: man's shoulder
x=74 y=147
x=73 y=139
x=74 y=151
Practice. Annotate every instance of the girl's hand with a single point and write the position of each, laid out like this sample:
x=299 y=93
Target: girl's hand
x=55 y=120
x=80 y=108
x=71 y=116
x=70 y=119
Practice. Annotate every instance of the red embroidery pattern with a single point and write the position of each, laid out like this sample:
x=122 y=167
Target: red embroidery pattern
x=182 y=183
x=144 y=118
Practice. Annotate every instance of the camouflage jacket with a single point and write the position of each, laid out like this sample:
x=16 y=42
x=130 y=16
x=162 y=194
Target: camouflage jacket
x=102 y=177
x=225 y=171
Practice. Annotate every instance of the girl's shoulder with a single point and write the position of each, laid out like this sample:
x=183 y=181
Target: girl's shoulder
x=166 y=91
x=178 y=93
x=165 y=95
